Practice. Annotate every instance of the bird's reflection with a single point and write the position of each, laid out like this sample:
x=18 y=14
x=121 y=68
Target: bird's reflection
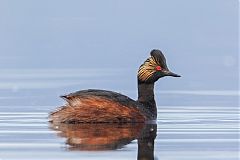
x=107 y=136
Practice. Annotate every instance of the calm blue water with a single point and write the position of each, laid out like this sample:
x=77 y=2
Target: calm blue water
x=191 y=124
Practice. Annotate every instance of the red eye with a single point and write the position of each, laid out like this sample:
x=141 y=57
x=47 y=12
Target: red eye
x=158 y=68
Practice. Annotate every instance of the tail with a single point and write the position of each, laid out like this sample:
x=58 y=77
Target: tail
x=69 y=99
x=65 y=97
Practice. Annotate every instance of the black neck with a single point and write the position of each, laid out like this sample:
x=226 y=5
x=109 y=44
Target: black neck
x=146 y=96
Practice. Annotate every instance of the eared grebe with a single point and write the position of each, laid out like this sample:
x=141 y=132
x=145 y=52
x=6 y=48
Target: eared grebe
x=100 y=106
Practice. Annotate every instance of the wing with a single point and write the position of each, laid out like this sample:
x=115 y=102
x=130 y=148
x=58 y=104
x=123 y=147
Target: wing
x=108 y=95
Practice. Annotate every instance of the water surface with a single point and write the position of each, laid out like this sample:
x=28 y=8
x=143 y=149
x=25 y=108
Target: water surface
x=199 y=125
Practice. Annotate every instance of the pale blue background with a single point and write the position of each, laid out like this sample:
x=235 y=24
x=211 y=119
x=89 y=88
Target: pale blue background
x=199 y=38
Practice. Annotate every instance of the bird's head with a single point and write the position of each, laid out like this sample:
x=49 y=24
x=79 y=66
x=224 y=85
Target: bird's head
x=154 y=67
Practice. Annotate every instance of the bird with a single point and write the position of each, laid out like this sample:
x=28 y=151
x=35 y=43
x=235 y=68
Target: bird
x=102 y=106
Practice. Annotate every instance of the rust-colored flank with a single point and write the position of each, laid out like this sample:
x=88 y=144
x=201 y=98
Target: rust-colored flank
x=94 y=109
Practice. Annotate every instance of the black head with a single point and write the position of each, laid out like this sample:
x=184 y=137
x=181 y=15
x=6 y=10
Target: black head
x=154 y=67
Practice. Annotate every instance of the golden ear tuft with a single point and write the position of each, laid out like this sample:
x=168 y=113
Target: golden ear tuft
x=147 y=69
